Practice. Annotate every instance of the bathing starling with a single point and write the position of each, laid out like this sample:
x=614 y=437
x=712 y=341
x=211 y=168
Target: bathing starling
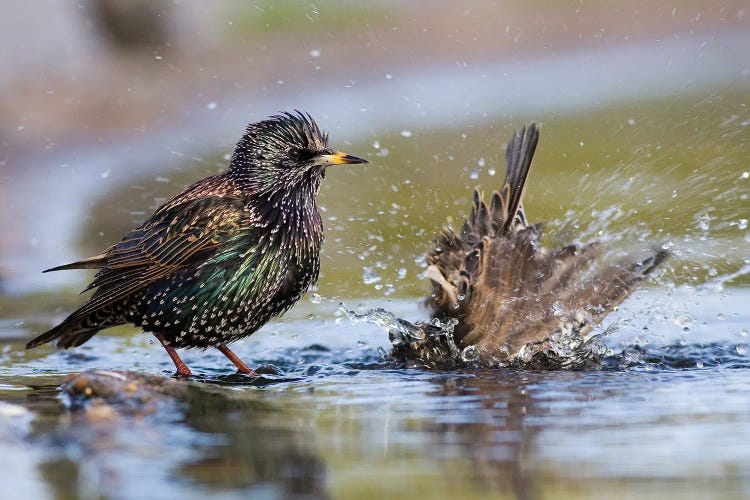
x=219 y=260
x=503 y=290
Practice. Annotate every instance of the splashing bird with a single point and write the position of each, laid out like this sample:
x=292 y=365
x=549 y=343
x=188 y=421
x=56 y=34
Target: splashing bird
x=219 y=260
x=502 y=292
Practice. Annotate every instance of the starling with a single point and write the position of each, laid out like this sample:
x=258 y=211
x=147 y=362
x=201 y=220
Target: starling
x=219 y=260
x=503 y=290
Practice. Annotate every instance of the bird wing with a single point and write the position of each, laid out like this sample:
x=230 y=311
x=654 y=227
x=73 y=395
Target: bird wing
x=494 y=277
x=454 y=260
x=174 y=239
x=503 y=287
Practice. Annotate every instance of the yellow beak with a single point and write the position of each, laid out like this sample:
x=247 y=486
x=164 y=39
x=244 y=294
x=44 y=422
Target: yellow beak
x=338 y=158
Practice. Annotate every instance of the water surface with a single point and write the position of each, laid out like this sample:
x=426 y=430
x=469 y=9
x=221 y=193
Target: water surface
x=668 y=406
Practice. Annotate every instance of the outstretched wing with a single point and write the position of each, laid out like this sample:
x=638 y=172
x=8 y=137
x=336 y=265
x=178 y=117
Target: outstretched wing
x=507 y=291
x=454 y=259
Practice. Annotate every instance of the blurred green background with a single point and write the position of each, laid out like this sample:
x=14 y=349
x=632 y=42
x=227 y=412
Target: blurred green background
x=115 y=106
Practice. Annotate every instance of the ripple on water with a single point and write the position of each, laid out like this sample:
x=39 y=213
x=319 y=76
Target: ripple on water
x=674 y=407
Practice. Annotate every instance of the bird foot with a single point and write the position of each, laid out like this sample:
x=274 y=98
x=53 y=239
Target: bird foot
x=241 y=366
x=182 y=368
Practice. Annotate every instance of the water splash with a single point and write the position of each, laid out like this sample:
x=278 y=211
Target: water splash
x=433 y=346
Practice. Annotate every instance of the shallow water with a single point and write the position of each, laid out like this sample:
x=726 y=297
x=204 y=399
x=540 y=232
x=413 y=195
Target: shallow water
x=667 y=412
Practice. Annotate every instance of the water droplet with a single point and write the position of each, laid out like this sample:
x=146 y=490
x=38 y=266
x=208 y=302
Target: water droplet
x=474 y=174
x=683 y=320
x=211 y=105
x=370 y=277
x=742 y=224
x=406 y=133
x=402 y=273
x=315 y=298
x=315 y=53
x=741 y=349
x=388 y=76
x=469 y=354
x=376 y=144
x=480 y=162
x=743 y=333
x=631 y=121
x=491 y=171
x=557 y=308
x=383 y=152
x=674 y=193
x=744 y=175
x=106 y=173
x=703 y=223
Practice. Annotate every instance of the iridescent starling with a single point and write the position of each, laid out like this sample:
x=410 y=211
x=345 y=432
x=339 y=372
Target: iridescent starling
x=503 y=290
x=219 y=260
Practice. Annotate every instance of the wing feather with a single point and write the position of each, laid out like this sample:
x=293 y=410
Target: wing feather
x=164 y=245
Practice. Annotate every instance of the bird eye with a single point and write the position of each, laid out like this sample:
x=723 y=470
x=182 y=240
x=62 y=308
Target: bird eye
x=297 y=154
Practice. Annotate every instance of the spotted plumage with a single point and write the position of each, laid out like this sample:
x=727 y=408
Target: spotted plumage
x=219 y=260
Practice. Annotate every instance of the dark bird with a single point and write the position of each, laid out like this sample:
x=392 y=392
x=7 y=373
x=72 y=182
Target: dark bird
x=219 y=260
x=502 y=291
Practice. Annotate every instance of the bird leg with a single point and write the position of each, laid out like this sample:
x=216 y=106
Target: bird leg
x=182 y=368
x=242 y=367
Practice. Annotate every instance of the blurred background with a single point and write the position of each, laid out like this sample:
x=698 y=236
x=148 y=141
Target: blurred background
x=108 y=107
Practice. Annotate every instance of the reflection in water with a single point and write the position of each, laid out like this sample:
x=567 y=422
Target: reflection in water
x=189 y=438
x=258 y=446
x=351 y=425
x=493 y=436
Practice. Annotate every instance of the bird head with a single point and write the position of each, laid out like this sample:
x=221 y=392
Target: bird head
x=283 y=153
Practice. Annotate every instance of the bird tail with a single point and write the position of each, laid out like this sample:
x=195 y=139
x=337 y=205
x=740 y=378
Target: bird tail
x=76 y=330
x=95 y=262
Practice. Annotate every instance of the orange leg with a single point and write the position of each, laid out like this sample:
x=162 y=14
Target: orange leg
x=242 y=367
x=182 y=368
